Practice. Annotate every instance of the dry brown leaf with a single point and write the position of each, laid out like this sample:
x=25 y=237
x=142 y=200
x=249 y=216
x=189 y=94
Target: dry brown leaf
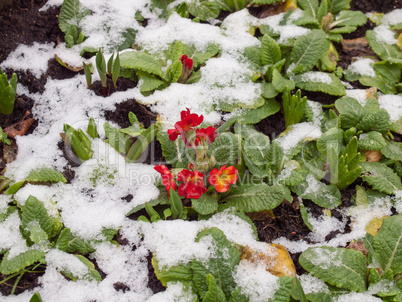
x=358 y=246
x=276 y=259
x=262 y=215
x=372 y=156
x=374 y=225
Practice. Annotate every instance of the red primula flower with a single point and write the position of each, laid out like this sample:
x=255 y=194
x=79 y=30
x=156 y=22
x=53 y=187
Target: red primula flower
x=167 y=177
x=188 y=121
x=223 y=178
x=207 y=134
x=193 y=184
x=187 y=62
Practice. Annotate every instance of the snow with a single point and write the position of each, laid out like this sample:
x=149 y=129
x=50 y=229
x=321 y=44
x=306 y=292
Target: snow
x=393 y=104
x=317 y=77
x=384 y=34
x=358 y=94
x=363 y=67
x=94 y=200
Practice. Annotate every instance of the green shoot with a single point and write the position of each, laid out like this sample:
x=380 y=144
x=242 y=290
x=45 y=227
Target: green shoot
x=7 y=93
x=293 y=107
x=101 y=66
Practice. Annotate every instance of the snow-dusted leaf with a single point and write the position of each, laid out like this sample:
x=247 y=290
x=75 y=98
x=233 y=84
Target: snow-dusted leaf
x=254 y=116
x=381 y=48
x=143 y=62
x=255 y=197
x=344 y=268
x=205 y=205
x=388 y=244
x=35 y=212
x=214 y=293
x=270 y=51
x=320 y=81
x=381 y=177
x=285 y=288
x=46 y=174
x=198 y=56
x=63 y=239
x=77 y=244
x=326 y=196
x=71 y=13
x=308 y=49
x=19 y=262
x=393 y=150
x=149 y=82
x=372 y=140
x=220 y=267
x=204 y=9
x=179 y=273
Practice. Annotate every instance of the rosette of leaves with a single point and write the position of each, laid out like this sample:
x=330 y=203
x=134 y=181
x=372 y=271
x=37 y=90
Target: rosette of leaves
x=270 y=59
x=43 y=232
x=150 y=69
x=344 y=270
x=71 y=14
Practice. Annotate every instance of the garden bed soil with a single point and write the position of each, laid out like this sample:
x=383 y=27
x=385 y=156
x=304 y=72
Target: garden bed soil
x=22 y=23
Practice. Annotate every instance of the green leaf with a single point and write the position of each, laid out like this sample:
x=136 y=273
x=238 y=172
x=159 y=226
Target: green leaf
x=306 y=216
x=254 y=116
x=255 y=197
x=349 y=18
x=256 y=147
x=21 y=261
x=298 y=292
x=174 y=71
x=293 y=107
x=149 y=82
x=15 y=187
x=309 y=6
x=44 y=175
x=92 y=129
x=116 y=70
x=388 y=244
x=311 y=159
x=91 y=275
x=175 y=152
x=335 y=6
x=381 y=177
x=270 y=51
x=71 y=13
x=214 y=293
x=393 y=150
x=143 y=62
x=200 y=56
x=36 y=298
x=372 y=140
x=179 y=273
x=226 y=149
x=284 y=290
x=220 y=266
x=322 y=10
x=175 y=204
x=326 y=196
x=204 y=9
x=332 y=138
x=376 y=121
x=237 y=296
x=119 y=141
x=308 y=49
x=280 y=83
x=205 y=205
x=382 y=49
x=35 y=211
x=63 y=240
x=77 y=244
x=350 y=112
x=320 y=81
x=344 y=268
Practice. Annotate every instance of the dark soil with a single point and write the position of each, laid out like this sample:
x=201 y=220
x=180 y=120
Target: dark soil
x=22 y=23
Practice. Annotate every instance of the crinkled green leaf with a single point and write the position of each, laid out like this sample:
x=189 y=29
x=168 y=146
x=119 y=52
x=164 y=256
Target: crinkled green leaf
x=280 y=83
x=311 y=159
x=349 y=18
x=270 y=51
x=254 y=116
x=204 y=9
x=372 y=140
x=237 y=296
x=312 y=82
x=149 y=82
x=21 y=261
x=344 y=268
x=255 y=197
x=284 y=290
x=388 y=244
x=46 y=174
x=309 y=6
x=91 y=275
x=220 y=266
x=180 y=273
x=35 y=211
x=381 y=177
x=214 y=293
x=379 y=121
x=118 y=140
x=71 y=13
x=175 y=152
x=326 y=196
x=393 y=150
x=256 y=147
x=226 y=149
x=350 y=112
x=308 y=49
x=332 y=138
x=77 y=244
x=335 y=6
x=200 y=56
x=143 y=62
x=205 y=205
x=63 y=240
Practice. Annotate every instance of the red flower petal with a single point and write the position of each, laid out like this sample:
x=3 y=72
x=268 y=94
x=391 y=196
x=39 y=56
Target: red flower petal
x=193 y=184
x=167 y=177
x=207 y=134
x=188 y=64
x=183 y=58
x=223 y=178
